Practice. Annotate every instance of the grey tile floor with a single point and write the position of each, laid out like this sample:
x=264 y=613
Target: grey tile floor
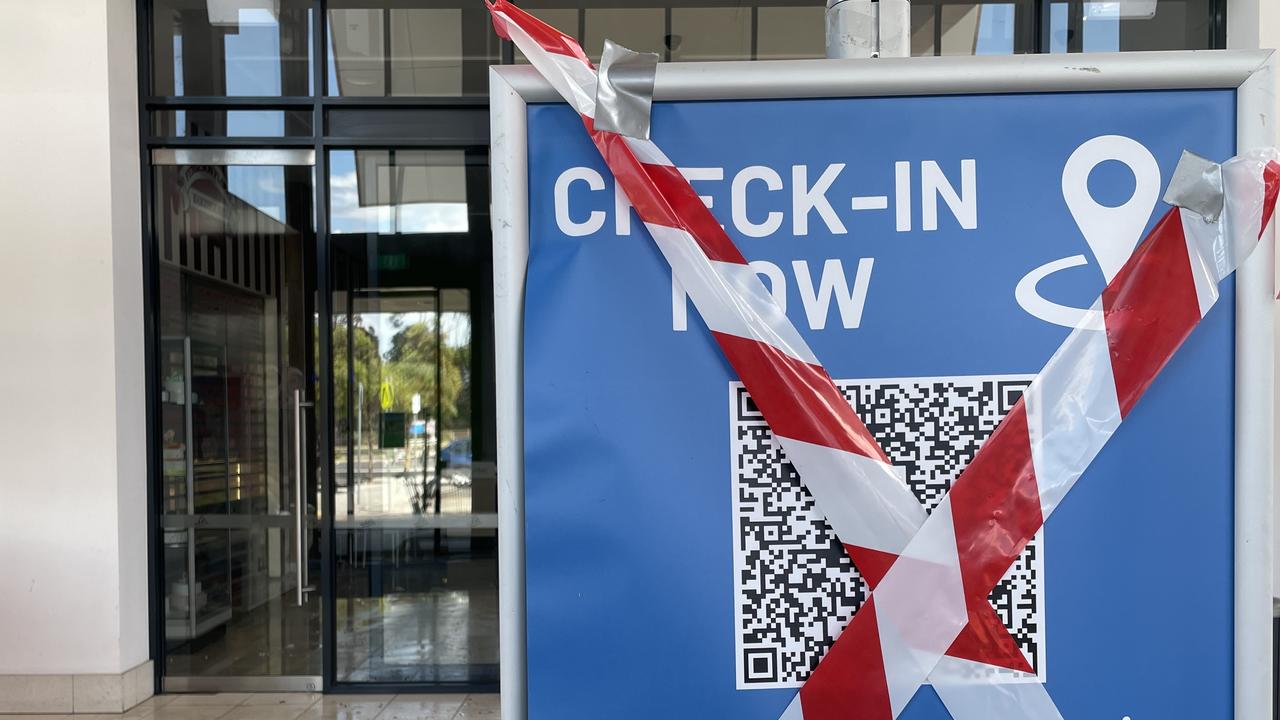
x=300 y=706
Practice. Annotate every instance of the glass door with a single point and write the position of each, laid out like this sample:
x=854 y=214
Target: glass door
x=236 y=368
x=415 y=493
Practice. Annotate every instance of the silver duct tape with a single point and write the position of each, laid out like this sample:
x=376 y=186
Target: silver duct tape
x=624 y=94
x=1196 y=186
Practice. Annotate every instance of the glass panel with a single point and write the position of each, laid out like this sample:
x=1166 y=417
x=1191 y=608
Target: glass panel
x=231 y=123
x=235 y=323
x=416 y=493
x=978 y=29
x=766 y=31
x=1060 y=33
x=711 y=33
x=566 y=20
x=1128 y=25
x=231 y=47
x=398 y=191
x=1102 y=27
x=409 y=48
x=790 y=33
x=640 y=29
x=922 y=29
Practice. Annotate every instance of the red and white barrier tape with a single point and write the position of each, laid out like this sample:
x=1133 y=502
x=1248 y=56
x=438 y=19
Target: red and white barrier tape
x=869 y=508
x=936 y=603
x=1039 y=451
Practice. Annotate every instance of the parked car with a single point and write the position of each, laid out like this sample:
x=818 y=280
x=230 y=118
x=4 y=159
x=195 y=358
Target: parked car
x=455 y=459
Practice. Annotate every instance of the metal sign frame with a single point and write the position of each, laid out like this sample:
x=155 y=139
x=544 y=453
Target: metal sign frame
x=1249 y=73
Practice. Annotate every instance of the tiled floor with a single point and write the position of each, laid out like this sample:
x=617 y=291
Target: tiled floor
x=300 y=706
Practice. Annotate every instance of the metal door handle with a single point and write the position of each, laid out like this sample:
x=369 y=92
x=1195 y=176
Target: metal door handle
x=300 y=505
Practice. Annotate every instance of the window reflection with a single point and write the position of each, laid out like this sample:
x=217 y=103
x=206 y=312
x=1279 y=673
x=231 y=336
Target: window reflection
x=231 y=123
x=416 y=520
x=778 y=30
x=398 y=191
x=1129 y=25
x=231 y=47
x=399 y=48
x=947 y=27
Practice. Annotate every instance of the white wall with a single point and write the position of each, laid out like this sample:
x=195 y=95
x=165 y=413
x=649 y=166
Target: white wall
x=73 y=552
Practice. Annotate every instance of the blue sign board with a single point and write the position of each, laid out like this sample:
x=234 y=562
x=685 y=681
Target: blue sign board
x=931 y=251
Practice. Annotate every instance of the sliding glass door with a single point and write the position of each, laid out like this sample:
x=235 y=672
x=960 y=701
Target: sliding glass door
x=236 y=373
x=415 y=520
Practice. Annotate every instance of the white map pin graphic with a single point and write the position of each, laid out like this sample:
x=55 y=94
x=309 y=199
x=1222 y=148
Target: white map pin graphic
x=1111 y=232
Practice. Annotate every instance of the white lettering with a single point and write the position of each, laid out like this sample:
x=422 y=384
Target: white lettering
x=595 y=220
x=964 y=207
x=805 y=198
x=621 y=211
x=833 y=283
x=902 y=195
x=679 y=305
x=738 y=201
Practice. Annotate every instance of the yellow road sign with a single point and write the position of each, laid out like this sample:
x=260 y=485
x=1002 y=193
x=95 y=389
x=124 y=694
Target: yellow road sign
x=384 y=396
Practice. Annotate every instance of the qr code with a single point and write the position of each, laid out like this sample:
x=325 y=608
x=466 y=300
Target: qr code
x=794 y=587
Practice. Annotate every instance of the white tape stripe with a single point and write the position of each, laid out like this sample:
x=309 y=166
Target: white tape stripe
x=1201 y=237
x=966 y=688
x=1072 y=410
x=1244 y=191
x=920 y=607
x=573 y=79
x=864 y=501
x=646 y=152
x=795 y=711
x=731 y=298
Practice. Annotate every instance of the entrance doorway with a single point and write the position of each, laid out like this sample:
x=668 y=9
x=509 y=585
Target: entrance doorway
x=325 y=494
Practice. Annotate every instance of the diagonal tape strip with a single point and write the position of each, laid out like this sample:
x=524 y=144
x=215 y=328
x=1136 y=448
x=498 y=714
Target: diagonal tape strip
x=701 y=249
x=1041 y=449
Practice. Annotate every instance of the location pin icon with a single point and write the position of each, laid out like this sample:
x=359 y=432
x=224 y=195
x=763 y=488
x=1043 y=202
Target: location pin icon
x=1112 y=232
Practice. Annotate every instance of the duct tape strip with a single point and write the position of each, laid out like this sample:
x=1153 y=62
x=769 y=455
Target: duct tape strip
x=1035 y=456
x=868 y=506
x=1197 y=186
x=624 y=95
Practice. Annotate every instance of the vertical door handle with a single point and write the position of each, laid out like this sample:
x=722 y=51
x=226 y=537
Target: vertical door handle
x=299 y=502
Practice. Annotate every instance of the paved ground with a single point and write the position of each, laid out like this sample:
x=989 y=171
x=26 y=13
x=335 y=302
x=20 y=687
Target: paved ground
x=300 y=706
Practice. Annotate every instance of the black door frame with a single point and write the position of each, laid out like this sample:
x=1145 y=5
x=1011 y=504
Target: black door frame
x=454 y=123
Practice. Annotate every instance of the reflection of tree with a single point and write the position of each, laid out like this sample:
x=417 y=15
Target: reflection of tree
x=408 y=368
x=363 y=358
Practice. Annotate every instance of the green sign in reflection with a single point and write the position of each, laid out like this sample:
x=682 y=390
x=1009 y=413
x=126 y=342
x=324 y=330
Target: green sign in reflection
x=392 y=430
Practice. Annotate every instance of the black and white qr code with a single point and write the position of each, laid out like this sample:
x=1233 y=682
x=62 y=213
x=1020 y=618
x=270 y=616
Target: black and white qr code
x=794 y=587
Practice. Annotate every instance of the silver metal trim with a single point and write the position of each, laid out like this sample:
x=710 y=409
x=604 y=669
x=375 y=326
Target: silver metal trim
x=1249 y=72
x=890 y=77
x=473 y=521
x=209 y=521
x=299 y=505
x=261 y=683
x=1255 y=426
x=509 y=210
x=233 y=156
